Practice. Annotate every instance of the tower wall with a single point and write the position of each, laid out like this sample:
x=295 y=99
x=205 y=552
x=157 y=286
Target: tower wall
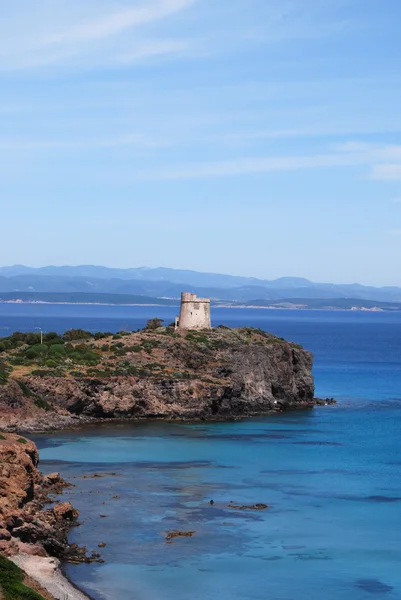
x=195 y=312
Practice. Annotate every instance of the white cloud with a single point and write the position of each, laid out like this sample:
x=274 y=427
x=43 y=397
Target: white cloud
x=351 y=154
x=98 y=31
x=117 y=22
x=155 y=48
x=387 y=172
x=137 y=140
x=87 y=34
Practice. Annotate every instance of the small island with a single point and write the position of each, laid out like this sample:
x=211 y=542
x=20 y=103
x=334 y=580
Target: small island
x=55 y=381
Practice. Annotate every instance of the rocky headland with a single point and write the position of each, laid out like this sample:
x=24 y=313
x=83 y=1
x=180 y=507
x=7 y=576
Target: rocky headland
x=158 y=373
x=155 y=373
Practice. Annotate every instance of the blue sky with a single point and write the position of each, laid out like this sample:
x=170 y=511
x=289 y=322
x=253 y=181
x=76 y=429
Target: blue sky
x=253 y=137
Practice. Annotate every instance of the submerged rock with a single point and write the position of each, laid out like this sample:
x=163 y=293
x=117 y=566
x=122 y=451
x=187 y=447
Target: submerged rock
x=175 y=534
x=248 y=507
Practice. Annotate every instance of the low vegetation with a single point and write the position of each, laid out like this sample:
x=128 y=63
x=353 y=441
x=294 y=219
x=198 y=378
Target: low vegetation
x=12 y=583
x=155 y=351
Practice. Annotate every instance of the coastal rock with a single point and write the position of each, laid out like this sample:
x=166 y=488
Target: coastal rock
x=5 y=535
x=224 y=373
x=56 y=483
x=25 y=526
x=65 y=511
x=248 y=507
x=326 y=402
x=31 y=549
x=176 y=534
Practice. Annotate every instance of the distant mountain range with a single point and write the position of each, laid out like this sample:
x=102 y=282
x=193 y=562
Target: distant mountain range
x=162 y=283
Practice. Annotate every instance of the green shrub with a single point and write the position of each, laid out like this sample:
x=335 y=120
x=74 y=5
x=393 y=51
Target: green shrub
x=76 y=334
x=22 y=441
x=105 y=348
x=154 y=324
x=53 y=337
x=18 y=360
x=100 y=372
x=42 y=403
x=198 y=338
x=117 y=336
x=25 y=389
x=50 y=363
x=57 y=349
x=171 y=332
x=45 y=373
x=183 y=375
x=11 y=582
x=4 y=373
x=32 y=339
x=36 y=351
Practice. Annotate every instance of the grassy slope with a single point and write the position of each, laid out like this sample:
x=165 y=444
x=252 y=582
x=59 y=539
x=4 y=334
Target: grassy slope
x=11 y=582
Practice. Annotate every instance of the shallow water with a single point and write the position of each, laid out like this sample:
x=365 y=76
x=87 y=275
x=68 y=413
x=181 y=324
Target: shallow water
x=331 y=478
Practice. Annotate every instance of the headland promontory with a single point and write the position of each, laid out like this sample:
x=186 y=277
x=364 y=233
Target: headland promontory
x=56 y=381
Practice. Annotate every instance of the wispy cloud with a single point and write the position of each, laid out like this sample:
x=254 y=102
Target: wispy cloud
x=135 y=140
x=154 y=48
x=99 y=37
x=116 y=22
x=387 y=172
x=351 y=154
x=98 y=32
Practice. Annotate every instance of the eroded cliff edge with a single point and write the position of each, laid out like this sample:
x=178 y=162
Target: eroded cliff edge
x=25 y=524
x=156 y=373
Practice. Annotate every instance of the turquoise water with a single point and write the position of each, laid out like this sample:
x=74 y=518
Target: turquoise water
x=331 y=478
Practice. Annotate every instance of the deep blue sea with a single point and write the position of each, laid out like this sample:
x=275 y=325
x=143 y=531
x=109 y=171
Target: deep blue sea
x=331 y=476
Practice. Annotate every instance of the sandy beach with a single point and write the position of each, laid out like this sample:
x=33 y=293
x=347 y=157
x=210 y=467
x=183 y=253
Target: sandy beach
x=46 y=571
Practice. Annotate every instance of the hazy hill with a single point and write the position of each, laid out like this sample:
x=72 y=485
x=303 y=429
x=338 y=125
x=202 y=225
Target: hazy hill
x=168 y=283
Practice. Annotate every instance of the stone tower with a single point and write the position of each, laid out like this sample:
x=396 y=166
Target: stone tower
x=194 y=313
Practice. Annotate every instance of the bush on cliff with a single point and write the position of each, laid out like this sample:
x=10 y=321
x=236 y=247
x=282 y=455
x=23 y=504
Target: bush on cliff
x=76 y=334
x=11 y=582
x=4 y=373
x=55 y=354
x=153 y=324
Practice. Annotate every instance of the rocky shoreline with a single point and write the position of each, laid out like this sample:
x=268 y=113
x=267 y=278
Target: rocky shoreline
x=34 y=525
x=46 y=572
x=26 y=525
x=79 y=379
x=152 y=374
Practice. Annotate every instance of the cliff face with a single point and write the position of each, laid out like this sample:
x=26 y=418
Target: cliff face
x=218 y=374
x=24 y=524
